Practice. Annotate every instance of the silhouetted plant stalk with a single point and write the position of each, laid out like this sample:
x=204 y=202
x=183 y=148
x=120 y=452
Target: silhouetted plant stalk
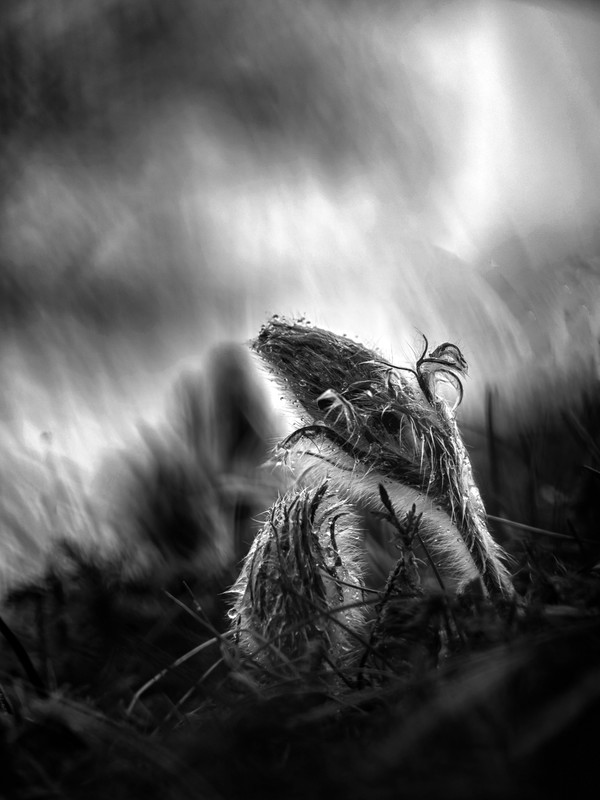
x=24 y=659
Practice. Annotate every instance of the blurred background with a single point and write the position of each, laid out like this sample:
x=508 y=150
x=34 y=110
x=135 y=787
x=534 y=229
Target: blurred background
x=174 y=173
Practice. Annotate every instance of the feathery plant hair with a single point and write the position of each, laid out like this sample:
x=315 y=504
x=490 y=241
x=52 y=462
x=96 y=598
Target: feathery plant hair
x=378 y=423
x=299 y=597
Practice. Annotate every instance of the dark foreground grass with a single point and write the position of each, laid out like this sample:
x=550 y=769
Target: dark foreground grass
x=509 y=709
x=124 y=684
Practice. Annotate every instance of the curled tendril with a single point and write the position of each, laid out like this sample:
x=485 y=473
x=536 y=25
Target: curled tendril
x=446 y=360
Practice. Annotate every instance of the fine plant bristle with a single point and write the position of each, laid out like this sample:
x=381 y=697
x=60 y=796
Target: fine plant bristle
x=299 y=596
x=364 y=422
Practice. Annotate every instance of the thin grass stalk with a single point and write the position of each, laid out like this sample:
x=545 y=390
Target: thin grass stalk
x=160 y=675
x=21 y=653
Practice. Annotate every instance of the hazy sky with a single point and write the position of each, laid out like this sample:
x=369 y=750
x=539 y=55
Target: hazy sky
x=174 y=173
